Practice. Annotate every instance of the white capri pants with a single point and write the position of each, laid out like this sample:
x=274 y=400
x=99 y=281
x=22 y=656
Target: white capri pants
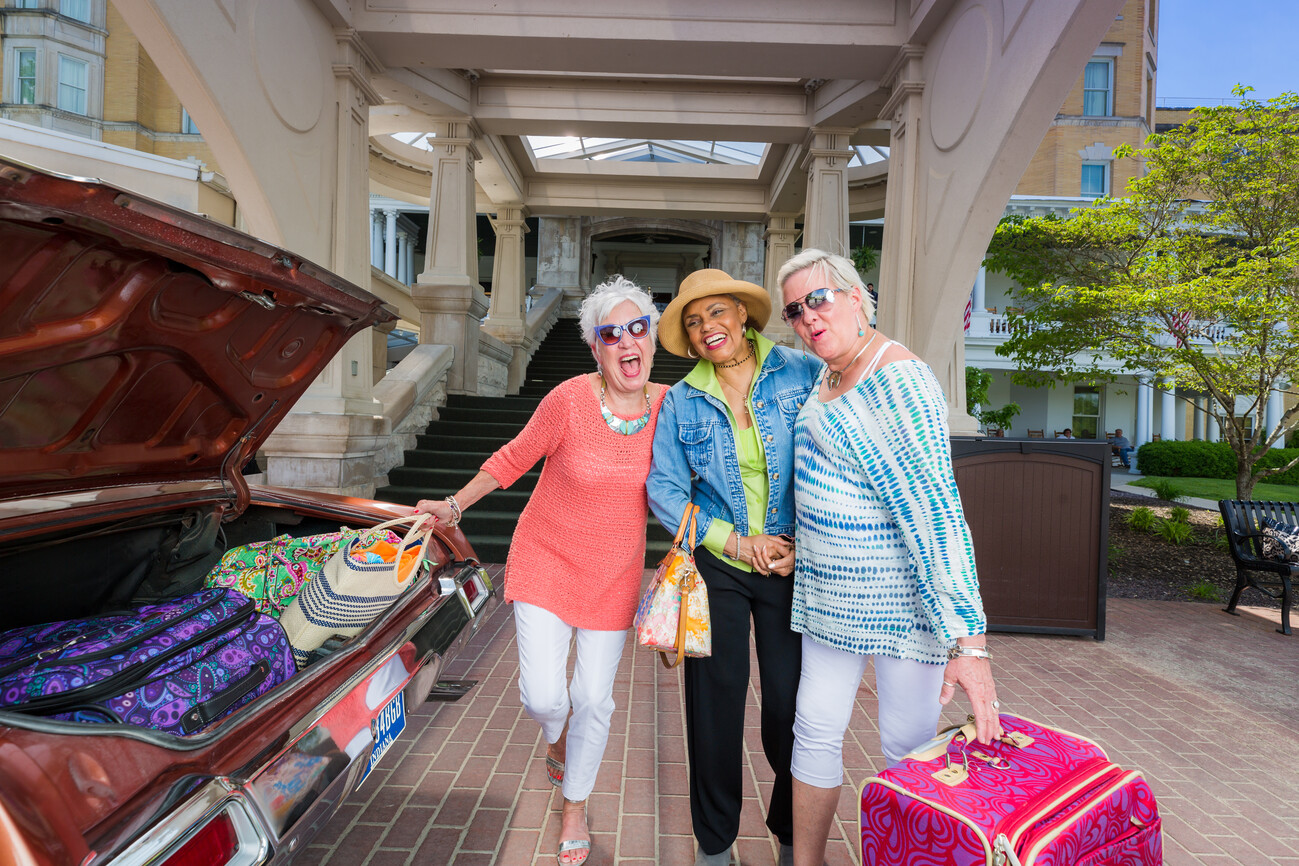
x=547 y=696
x=908 y=708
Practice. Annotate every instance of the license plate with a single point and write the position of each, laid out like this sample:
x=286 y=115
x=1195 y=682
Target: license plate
x=385 y=728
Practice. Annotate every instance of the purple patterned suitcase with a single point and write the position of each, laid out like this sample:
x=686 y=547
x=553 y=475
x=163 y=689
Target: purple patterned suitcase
x=176 y=666
x=1039 y=797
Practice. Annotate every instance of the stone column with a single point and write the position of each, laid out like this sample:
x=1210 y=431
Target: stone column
x=1198 y=432
x=403 y=248
x=825 y=219
x=780 y=236
x=903 y=207
x=376 y=240
x=329 y=441
x=390 y=243
x=507 y=317
x=409 y=259
x=559 y=247
x=1167 y=412
x=450 y=301
x=743 y=252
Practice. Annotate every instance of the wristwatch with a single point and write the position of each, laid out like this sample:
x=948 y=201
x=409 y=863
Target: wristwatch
x=978 y=652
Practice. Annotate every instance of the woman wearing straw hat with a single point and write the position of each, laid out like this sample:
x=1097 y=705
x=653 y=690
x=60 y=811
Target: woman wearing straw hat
x=578 y=552
x=725 y=442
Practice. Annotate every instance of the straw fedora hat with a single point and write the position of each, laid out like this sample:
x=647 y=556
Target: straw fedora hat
x=704 y=284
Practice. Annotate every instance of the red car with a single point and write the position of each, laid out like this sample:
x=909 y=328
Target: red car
x=145 y=353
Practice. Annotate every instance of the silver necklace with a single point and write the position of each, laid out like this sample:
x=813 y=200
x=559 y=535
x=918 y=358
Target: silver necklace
x=834 y=376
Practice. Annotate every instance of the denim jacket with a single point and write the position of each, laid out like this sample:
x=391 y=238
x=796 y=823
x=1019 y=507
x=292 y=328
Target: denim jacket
x=694 y=446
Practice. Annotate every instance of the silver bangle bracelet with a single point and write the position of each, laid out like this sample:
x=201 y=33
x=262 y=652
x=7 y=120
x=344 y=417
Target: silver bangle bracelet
x=977 y=652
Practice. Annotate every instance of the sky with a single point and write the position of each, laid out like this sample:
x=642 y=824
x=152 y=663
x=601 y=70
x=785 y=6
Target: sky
x=1208 y=46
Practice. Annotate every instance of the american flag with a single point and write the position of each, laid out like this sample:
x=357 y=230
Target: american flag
x=969 y=308
x=1181 y=323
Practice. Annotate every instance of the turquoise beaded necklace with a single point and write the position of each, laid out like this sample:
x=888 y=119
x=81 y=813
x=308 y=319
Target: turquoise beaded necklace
x=618 y=425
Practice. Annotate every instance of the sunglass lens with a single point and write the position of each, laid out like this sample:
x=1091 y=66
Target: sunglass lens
x=609 y=334
x=638 y=327
x=792 y=311
x=817 y=298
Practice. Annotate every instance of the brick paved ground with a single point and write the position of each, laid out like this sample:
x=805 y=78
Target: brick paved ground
x=1201 y=701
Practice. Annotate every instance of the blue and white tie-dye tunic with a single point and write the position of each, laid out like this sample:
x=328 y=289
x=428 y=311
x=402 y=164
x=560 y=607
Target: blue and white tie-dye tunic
x=884 y=562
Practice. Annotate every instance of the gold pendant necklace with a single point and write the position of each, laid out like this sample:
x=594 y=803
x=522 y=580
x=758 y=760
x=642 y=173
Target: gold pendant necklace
x=835 y=376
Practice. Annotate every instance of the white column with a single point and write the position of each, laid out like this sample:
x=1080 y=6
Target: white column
x=376 y=240
x=825 y=218
x=780 y=236
x=1212 y=431
x=390 y=243
x=1199 y=418
x=507 y=316
x=1142 y=433
x=981 y=290
x=403 y=247
x=1167 y=412
x=1275 y=407
x=410 y=260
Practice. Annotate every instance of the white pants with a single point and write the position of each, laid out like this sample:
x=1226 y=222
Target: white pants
x=547 y=696
x=908 y=708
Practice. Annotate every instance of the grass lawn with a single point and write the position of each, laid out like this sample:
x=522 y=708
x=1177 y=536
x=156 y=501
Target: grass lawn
x=1222 y=488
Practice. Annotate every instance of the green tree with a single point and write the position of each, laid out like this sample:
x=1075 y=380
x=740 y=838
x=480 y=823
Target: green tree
x=1193 y=277
x=977 y=383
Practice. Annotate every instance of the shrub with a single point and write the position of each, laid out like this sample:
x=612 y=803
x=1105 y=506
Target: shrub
x=1203 y=590
x=1197 y=459
x=1166 y=490
x=1173 y=533
x=1180 y=514
x=1142 y=519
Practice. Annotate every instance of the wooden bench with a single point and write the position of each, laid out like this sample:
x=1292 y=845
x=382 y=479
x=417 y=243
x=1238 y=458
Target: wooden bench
x=1243 y=519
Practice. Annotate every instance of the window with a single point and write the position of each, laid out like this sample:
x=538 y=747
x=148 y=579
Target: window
x=28 y=4
x=1086 y=412
x=26 y=94
x=1098 y=88
x=78 y=9
x=1095 y=179
x=187 y=123
x=73 y=75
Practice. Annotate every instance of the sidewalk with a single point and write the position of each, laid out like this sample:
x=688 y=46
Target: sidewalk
x=1121 y=480
x=1202 y=702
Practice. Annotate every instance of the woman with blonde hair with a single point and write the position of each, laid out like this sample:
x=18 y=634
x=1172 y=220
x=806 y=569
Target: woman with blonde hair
x=884 y=568
x=578 y=553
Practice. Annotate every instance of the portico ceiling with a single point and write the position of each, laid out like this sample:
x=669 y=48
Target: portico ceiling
x=762 y=73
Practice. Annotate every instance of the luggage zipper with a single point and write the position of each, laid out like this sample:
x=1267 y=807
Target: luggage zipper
x=34 y=660
x=1032 y=843
x=107 y=688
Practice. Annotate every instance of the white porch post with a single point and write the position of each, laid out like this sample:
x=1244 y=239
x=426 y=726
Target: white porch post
x=1143 y=412
x=390 y=243
x=1167 y=412
x=780 y=236
x=1199 y=419
x=1275 y=407
x=376 y=239
x=450 y=301
x=410 y=260
x=980 y=304
x=1213 y=432
x=403 y=245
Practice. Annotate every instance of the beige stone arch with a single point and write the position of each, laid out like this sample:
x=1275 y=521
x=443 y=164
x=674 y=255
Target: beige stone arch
x=968 y=109
x=596 y=228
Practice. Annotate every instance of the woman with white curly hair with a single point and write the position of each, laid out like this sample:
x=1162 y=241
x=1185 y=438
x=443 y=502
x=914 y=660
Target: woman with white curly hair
x=578 y=552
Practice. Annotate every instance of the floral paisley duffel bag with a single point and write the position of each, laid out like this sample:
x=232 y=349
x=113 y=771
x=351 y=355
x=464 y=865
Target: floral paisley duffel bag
x=176 y=666
x=273 y=572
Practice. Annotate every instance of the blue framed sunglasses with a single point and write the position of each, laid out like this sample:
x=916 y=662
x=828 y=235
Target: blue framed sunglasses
x=793 y=311
x=611 y=334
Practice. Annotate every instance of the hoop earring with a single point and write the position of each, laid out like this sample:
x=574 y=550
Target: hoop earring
x=690 y=353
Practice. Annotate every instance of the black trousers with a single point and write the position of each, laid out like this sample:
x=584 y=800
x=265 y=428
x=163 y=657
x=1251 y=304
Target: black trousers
x=716 y=689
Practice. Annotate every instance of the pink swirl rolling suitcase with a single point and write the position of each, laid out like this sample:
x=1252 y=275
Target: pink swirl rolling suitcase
x=1038 y=797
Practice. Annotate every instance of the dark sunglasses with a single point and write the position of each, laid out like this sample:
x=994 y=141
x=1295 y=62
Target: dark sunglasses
x=611 y=334
x=813 y=300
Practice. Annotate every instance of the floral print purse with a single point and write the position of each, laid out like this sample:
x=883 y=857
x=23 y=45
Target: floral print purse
x=673 y=615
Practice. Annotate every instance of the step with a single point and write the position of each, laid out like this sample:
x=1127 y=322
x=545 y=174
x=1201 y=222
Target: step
x=447 y=477
x=484 y=445
x=519 y=415
x=459 y=401
x=472 y=429
x=436 y=458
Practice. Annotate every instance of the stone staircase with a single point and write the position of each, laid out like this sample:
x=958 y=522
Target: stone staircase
x=469 y=429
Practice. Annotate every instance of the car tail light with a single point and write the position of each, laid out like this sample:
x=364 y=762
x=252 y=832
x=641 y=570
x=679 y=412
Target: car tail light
x=214 y=845
x=471 y=590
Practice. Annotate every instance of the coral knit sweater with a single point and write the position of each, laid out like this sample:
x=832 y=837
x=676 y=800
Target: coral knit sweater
x=579 y=548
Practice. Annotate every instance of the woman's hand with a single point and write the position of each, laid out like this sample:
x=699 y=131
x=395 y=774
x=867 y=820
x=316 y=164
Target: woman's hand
x=439 y=508
x=767 y=554
x=974 y=675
